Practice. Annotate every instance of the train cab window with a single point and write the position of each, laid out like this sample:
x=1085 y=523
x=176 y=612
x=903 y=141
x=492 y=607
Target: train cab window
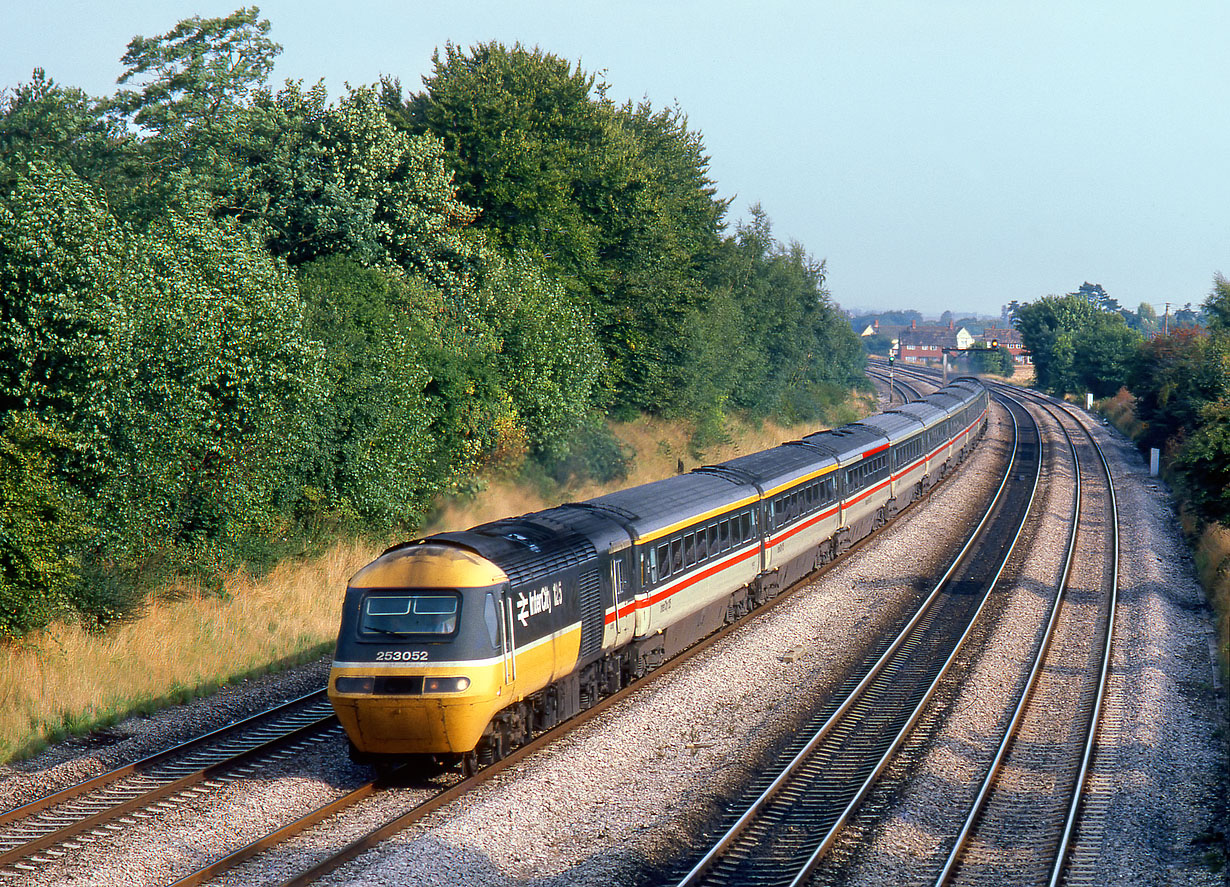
x=492 y=618
x=430 y=613
x=676 y=555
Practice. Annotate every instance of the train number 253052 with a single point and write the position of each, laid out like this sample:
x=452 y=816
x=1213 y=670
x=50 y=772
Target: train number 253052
x=401 y=656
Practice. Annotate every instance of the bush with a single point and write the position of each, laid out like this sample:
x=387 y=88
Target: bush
x=41 y=529
x=589 y=452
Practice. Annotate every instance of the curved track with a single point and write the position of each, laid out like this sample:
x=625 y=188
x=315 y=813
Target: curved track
x=794 y=814
x=338 y=857
x=1021 y=824
x=1022 y=821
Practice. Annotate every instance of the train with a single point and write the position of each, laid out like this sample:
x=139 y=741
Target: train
x=457 y=648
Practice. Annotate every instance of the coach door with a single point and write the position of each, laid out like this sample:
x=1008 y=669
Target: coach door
x=622 y=601
x=508 y=636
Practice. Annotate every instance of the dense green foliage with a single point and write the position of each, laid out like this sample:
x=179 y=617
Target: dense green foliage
x=1076 y=345
x=1182 y=388
x=1181 y=381
x=995 y=361
x=233 y=315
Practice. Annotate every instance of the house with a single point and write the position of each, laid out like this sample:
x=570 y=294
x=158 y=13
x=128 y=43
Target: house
x=1007 y=338
x=922 y=344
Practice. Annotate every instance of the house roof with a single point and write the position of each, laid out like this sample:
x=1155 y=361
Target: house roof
x=933 y=336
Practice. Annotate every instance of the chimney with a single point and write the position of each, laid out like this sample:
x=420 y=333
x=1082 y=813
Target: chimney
x=877 y=323
x=913 y=324
x=950 y=323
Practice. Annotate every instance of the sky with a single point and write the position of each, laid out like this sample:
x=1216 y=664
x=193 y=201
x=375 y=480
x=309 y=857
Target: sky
x=937 y=154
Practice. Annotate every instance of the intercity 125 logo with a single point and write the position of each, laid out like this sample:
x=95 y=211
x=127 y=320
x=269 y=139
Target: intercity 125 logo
x=543 y=600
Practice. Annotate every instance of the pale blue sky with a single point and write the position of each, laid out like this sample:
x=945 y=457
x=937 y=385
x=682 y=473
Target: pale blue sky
x=939 y=154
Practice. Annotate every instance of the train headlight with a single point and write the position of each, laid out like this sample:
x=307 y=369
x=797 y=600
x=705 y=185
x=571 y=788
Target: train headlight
x=445 y=685
x=355 y=685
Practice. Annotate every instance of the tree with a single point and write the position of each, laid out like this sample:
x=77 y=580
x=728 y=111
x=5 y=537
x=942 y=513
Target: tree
x=191 y=83
x=1047 y=328
x=1217 y=306
x=1104 y=352
x=40 y=528
x=210 y=432
x=1076 y=346
x=340 y=179
x=60 y=254
x=379 y=460
x=798 y=348
x=545 y=347
x=1174 y=377
x=1204 y=462
x=1095 y=295
x=997 y=361
x=529 y=146
x=615 y=202
x=42 y=120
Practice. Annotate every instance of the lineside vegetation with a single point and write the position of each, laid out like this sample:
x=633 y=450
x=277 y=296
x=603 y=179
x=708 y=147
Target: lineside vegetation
x=241 y=320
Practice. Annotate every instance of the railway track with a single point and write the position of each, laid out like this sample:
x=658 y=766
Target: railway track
x=1024 y=816
x=435 y=798
x=95 y=809
x=793 y=814
x=903 y=389
x=1038 y=815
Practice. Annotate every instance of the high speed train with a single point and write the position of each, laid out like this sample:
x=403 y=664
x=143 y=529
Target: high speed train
x=462 y=645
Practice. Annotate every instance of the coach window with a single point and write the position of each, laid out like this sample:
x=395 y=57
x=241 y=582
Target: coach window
x=724 y=534
x=662 y=557
x=689 y=550
x=702 y=545
x=747 y=525
x=676 y=555
x=714 y=545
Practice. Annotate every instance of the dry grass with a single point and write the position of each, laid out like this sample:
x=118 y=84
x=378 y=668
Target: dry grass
x=1121 y=411
x=68 y=681
x=1213 y=562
